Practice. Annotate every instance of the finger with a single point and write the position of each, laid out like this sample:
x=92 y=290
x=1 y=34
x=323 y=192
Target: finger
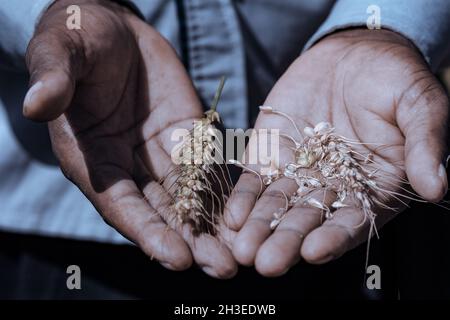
x=282 y=249
x=335 y=236
x=132 y=216
x=162 y=67
x=53 y=64
x=209 y=252
x=242 y=200
x=121 y=204
x=257 y=227
x=226 y=235
x=423 y=122
x=213 y=256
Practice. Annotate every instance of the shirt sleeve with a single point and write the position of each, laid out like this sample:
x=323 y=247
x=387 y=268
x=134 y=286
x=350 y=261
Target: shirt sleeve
x=18 y=22
x=426 y=23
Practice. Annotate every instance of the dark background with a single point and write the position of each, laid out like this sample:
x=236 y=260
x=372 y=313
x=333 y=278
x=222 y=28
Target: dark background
x=413 y=254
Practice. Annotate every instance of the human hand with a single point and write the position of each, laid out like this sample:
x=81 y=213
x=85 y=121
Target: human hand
x=113 y=92
x=373 y=87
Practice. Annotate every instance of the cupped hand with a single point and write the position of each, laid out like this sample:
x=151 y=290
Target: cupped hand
x=372 y=86
x=113 y=92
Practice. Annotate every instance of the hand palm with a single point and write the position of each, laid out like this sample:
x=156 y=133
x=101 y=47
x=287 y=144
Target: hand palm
x=367 y=92
x=114 y=138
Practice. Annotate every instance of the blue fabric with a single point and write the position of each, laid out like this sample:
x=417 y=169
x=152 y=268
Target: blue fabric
x=250 y=42
x=18 y=21
x=425 y=22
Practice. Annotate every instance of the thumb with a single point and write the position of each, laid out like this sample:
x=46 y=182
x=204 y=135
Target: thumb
x=423 y=122
x=51 y=63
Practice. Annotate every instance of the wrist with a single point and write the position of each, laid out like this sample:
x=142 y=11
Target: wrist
x=363 y=35
x=368 y=44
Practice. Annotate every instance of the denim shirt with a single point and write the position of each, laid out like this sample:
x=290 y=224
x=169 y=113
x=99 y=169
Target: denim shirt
x=251 y=42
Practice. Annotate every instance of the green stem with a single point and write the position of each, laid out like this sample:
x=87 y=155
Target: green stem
x=218 y=94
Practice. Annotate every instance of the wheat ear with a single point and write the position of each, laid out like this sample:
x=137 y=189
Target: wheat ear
x=203 y=182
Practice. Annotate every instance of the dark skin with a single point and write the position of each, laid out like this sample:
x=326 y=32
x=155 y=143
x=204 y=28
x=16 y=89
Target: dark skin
x=113 y=92
x=373 y=87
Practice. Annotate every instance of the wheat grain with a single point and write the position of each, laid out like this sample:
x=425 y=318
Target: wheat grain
x=202 y=185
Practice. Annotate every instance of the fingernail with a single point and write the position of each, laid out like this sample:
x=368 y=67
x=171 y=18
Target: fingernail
x=31 y=92
x=167 y=265
x=328 y=258
x=443 y=175
x=209 y=271
x=446 y=161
